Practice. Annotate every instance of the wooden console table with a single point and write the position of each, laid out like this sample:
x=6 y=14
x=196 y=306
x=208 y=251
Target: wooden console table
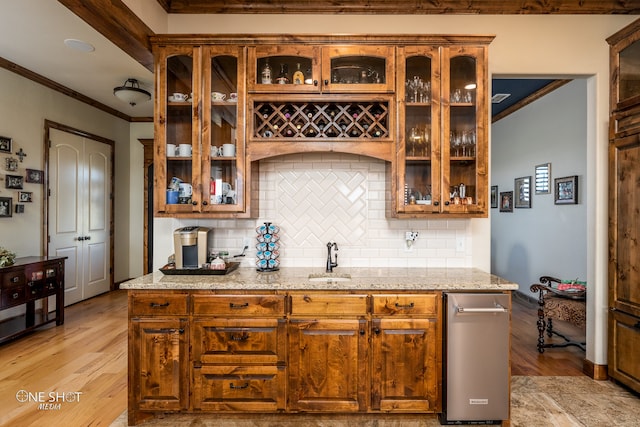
x=29 y=283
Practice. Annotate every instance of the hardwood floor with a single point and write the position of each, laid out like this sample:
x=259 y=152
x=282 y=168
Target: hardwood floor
x=85 y=362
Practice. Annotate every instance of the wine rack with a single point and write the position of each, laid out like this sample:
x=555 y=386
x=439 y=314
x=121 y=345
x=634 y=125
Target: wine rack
x=339 y=120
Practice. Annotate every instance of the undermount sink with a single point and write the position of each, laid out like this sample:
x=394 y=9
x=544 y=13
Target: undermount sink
x=329 y=277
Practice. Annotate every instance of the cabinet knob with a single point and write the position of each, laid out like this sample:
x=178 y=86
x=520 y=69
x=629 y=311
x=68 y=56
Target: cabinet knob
x=446 y=203
x=204 y=203
x=436 y=203
x=362 y=332
x=326 y=82
x=194 y=203
x=376 y=331
x=315 y=83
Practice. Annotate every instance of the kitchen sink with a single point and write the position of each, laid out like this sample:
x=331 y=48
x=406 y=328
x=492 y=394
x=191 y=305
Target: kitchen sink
x=329 y=277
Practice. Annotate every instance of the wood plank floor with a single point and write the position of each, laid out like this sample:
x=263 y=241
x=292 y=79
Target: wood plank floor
x=85 y=362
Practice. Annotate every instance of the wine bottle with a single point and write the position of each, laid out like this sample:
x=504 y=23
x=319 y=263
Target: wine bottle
x=267 y=73
x=298 y=76
x=283 y=77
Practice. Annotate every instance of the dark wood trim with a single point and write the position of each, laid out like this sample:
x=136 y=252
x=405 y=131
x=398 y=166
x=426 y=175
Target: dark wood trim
x=37 y=78
x=529 y=99
x=148 y=160
x=114 y=20
x=48 y=125
x=473 y=7
x=597 y=372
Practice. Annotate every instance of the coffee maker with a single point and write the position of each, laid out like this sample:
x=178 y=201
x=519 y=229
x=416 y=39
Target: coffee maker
x=191 y=246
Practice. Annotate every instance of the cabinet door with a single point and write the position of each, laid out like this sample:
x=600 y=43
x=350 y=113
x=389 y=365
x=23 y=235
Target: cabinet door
x=358 y=69
x=177 y=129
x=222 y=186
x=284 y=69
x=419 y=166
x=404 y=365
x=158 y=361
x=624 y=345
x=464 y=146
x=328 y=365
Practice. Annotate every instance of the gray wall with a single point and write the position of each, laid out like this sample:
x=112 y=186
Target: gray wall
x=547 y=239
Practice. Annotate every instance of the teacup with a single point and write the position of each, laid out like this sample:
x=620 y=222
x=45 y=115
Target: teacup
x=233 y=96
x=171 y=150
x=228 y=150
x=184 y=150
x=180 y=97
x=216 y=151
x=218 y=96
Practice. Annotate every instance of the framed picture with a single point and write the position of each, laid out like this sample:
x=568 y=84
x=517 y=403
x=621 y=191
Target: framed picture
x=5 y=144
x=523 y=192
x=19 y=208
x=494 y=196
x=25 y=196
x=506 y=201
x=14 y=181
x=543 y=178
x=6 y=207
x=566 y=190
x=34 y=176
x=11 y=164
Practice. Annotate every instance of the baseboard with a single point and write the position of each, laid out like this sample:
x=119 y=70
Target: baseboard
x=597 y=372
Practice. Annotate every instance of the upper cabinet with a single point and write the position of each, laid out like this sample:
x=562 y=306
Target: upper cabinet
x=199 y=131
x=223 y=103
x=442 y=139
x=315 y=69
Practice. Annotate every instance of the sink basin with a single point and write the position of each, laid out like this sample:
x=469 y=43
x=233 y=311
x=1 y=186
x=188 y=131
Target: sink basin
x=329 y=277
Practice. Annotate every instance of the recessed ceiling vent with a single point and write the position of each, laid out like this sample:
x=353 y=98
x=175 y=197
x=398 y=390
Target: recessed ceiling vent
x=499 y=97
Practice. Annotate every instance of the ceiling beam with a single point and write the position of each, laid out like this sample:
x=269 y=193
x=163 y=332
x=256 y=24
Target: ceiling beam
x=486 y=7
x=114 y=20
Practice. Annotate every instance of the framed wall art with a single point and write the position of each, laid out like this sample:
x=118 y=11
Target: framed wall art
x=25 y=196
x=35 y=176
x=14 y=182
x=11 y=164
x=6 y=207
x=523 y=192
x=566 y=190
x=506 y=201
x=5 y=144
x=494 y=196
x=19 y=208
x=543 y=178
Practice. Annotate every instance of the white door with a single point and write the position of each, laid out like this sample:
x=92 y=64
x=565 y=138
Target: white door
x=80 y=212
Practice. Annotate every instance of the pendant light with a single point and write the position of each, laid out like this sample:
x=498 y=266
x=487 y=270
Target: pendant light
x=131 y=93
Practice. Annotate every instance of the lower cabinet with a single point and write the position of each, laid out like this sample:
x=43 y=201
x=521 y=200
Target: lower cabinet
x=624 y=345
x=291 y=352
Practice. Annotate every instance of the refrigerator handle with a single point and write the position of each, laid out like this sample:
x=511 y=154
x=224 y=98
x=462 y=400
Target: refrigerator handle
x=497 y=309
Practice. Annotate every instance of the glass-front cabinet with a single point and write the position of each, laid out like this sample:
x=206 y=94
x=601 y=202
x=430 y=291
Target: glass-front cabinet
x=199 y=155
x=340 y=69
x=442 y=165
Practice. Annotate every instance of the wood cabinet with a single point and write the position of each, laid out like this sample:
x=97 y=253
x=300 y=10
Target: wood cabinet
x=419 y=103
x=25 y=288
x=158 y=354
x=624 y=174
x=442 y=133
x=294 y=351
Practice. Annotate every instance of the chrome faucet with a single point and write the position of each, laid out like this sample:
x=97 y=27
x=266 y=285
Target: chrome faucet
x=331 y=264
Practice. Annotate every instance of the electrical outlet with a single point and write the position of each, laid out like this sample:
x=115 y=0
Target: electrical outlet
x=247 y=241
x=409 y=240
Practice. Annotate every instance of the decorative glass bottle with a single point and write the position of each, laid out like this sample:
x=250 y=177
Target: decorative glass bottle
x=267 y=73
x=298 y=76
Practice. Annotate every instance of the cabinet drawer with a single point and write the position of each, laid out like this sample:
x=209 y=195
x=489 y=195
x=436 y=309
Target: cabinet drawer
x=239 y=388
x=231 y=341
x=310 y=304
x=158 y=304
x=238 y=305
x=13 y=278
x=11 y=296
x=405 y=304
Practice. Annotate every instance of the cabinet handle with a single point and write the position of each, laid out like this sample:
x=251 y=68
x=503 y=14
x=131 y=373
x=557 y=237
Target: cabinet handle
x=236 y=306
x=204 y=203
x=446 y=203
x=158 y=305
x=315 y=83
x=80 y=238
x=404 y=307
x=15 y=295
x=242 y=337
x=168 y=330
x=326 y=82
x=194 y=203
x=233 y=387
x=87 y=237
x=376 y=331
x=436 y=203
x=15 y=279
x=362 y=332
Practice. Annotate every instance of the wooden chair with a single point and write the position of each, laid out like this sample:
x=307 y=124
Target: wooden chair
x=568 y=306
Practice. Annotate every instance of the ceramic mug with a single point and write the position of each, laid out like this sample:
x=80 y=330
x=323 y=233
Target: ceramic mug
x=184 y=150
x=233 y=96
x=172 y=197
x=228 y=150
x=180 y=97
x=186 y=190
x=216 y=151
x=218 y=96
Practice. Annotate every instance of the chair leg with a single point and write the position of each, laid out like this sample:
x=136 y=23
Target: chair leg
x=549 y=327
x=541 y=328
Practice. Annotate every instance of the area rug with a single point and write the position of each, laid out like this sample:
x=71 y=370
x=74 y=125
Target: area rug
x=535 y=402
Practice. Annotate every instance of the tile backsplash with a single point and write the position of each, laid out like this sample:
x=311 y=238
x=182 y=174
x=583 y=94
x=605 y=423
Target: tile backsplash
x=321 y=197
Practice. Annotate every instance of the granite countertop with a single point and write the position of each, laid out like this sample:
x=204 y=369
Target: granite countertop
x=297 y=278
